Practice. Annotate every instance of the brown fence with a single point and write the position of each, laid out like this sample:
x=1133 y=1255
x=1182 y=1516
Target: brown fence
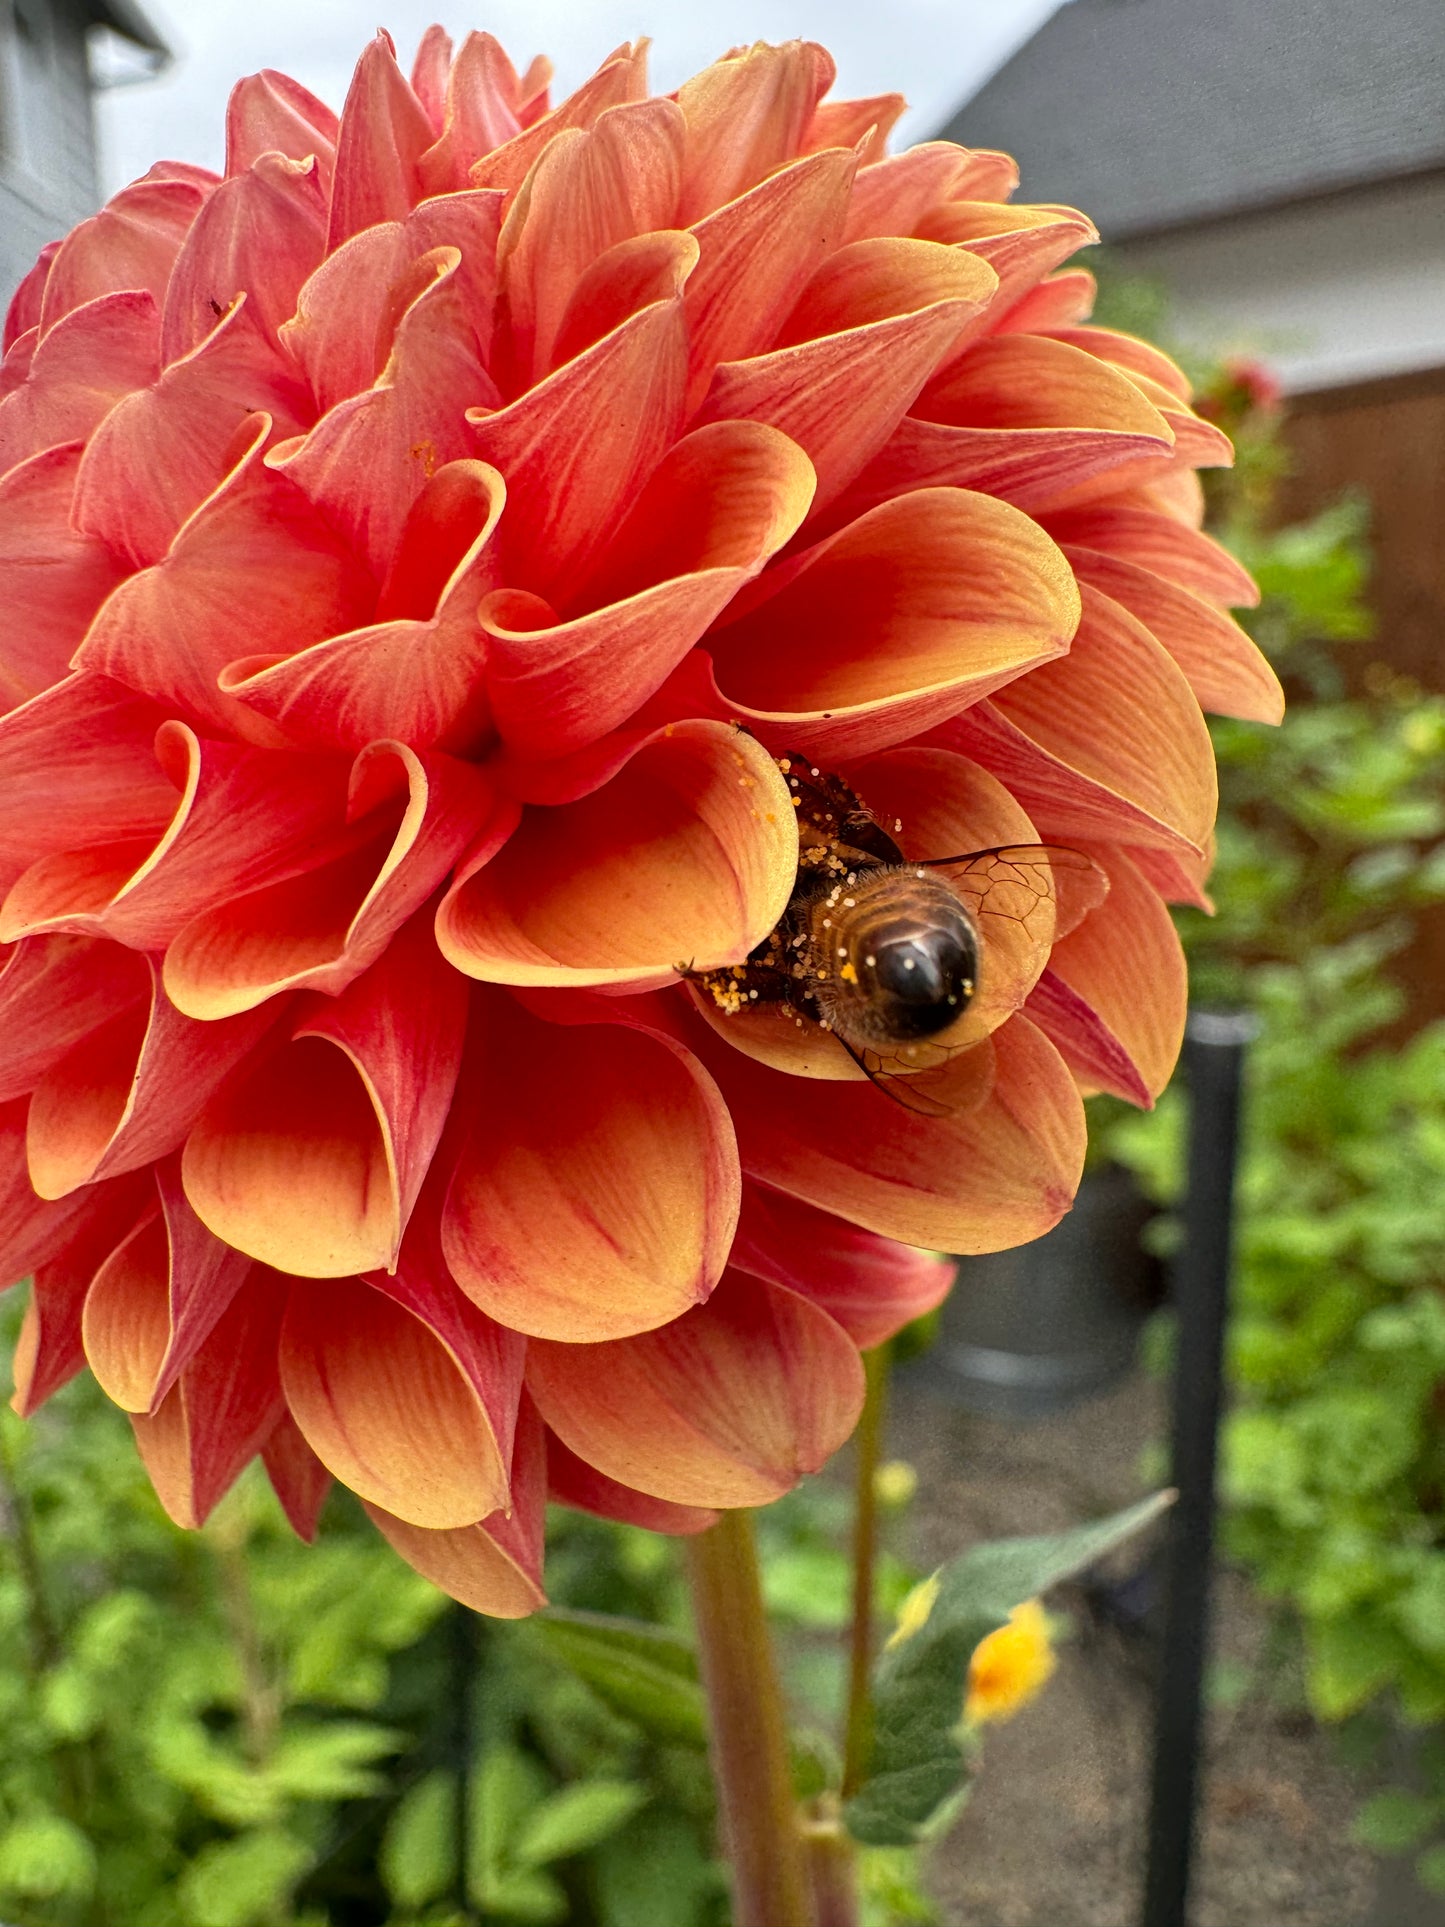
x=1386 y=440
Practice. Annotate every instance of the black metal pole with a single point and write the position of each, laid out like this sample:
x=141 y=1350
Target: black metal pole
x=1214 y=1050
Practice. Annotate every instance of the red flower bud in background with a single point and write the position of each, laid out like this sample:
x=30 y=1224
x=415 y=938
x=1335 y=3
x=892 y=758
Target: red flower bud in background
x=425 y=550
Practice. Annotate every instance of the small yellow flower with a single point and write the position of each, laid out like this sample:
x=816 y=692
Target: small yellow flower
x=1010 y=1667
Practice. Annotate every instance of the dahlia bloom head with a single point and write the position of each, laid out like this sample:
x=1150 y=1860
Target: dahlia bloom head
x=431 y=553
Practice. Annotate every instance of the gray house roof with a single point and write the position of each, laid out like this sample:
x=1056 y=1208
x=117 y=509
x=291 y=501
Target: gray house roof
x=1156 y=114
x=127 y=19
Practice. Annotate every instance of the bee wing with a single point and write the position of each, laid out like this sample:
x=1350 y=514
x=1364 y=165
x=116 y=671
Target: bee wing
x=1046 y=887
x=913 y=1085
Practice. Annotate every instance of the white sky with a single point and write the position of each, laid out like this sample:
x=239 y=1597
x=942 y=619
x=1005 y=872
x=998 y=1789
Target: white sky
x=934 y=51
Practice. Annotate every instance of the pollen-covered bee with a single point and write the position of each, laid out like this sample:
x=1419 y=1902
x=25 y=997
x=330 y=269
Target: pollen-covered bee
x=887 y=953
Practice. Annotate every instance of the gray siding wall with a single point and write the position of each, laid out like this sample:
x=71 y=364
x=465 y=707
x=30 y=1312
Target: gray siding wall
x=47 y=135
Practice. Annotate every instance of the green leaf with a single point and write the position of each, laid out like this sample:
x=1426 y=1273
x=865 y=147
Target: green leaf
x=418 y=1858
x=1430 y=1870
x=655 y=1873
x=648 y=1675
x=243 y=1882
x=1394 y=1821
x=918 y=1761
x=575 y=1819
x=507 y=1787
x=45 y=1857
x=527 y=1896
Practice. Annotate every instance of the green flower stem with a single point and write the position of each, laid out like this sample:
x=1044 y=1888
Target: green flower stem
x=748 y=1738
x=868 y=1446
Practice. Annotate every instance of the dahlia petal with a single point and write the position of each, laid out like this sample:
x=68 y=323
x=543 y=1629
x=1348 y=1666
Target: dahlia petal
x=893 y=195
x=383 y=133
x=686 y=857
x=402 y=1023
x=1160 y=542
x=747 y=115
x=171 y=629
x=585 y=192
x=847 y=123
x=342 y=332
x=415 y=676
x=918 y=608
x=22 y=316
x=1054 y=306
x=605 y=1216
x=55 y=991
x=576 y=448
x=89 y=360
x=48 y=1350
x=1085 y=1042
x=1224 y=667
x=156 y=1299
x=887 y=312
x=1176 y=491
x=988 y=175
x=756 y=255
x=243 y=817
x=1129 y=968
x=221 y=1409
x=470 y=221
x=388 y=1405
x=621 y=78
x=298 y=1478
x=478 y=113
x=620 y=283
x=1036 y=469
x=52 y=578
x=1122 y=715
x=318 y=930
x=131 y=244
x=367 y=460
x=260 y=234
x=270 y=113
x=872 y=1286
x=101 y=736
x=128 y=1092
x=729 y=1405
x=1021 y=244
x=1195 y=440
x=1128 y=352
x=999 y=1169
x=313 y=1160
x=719 y=505
x=1026 y=420
x=1062 y=801
x=571 y=1481
x=494 y=1566
x=429 y=72
x=17 y=362
x=164 y=450
x=1178 y=875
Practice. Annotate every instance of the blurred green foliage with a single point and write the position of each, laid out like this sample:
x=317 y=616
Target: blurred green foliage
x=1329 y=845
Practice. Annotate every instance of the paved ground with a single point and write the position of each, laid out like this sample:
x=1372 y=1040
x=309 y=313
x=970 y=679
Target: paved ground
x=1053 y=1834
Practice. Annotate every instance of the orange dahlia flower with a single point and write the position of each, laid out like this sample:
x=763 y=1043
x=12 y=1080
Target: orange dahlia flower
x=421 y=549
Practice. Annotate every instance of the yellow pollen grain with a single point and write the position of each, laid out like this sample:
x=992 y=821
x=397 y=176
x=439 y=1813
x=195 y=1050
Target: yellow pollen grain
x=848 y=974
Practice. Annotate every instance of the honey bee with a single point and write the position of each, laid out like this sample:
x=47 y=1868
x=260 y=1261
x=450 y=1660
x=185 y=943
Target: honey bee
x=883 y=951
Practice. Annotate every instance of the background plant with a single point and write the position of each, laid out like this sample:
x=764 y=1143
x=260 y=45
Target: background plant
x=1329 y=846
